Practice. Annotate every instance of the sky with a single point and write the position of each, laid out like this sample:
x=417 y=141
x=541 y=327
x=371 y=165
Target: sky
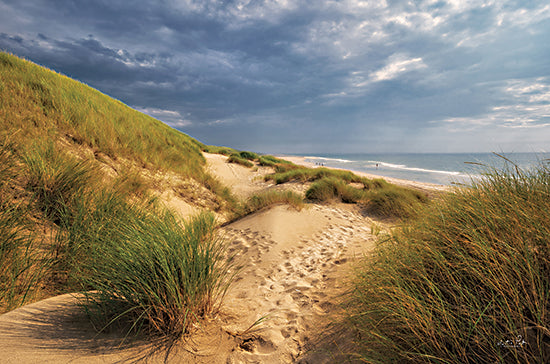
x=308 y=76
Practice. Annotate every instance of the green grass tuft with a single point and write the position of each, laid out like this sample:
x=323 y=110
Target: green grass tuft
x=55 y=178
x=378 y=197
x=270 y=198
x=329 y=188
x=395 y=201
x=155 y=272
x=237 y=159
x=22 y=262
x=251 y=156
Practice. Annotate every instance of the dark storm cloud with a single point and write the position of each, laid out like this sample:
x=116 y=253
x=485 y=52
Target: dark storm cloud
x=306 y=75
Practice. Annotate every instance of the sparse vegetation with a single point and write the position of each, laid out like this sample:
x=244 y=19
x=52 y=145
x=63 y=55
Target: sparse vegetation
x=270 y=161
x=217 y=150
x=237 y=159
x=270 y=198
x=466 y=282
x=247 y=159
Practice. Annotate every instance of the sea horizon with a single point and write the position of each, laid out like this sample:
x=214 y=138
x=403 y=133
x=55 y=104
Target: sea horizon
x=437 y=168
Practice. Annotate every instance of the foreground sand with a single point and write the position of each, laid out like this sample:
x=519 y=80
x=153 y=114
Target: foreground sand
x=295 y=269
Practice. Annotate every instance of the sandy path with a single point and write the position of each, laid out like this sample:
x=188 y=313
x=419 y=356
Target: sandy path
x=294 y=262
x=294 y=269
x=243 y=181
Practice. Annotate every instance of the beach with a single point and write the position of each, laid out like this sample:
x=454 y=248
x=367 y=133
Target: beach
x=424 y=186
x=296 y=269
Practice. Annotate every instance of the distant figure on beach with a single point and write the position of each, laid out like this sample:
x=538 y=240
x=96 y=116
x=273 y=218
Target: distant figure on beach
x=376 y=165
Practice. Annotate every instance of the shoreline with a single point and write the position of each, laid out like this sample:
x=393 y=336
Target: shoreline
x=425 y=186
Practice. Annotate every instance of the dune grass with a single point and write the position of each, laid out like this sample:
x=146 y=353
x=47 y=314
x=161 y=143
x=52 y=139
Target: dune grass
x=135 y=261
x=21 y=261
x=270 y=198
x=303 y=174
x=147 y=270
x=38 y=104
x=237 y=159
x=55 y=178
x=97 y=231
x=376 y=195
x=246 y=158
x=466 y=282
x=271 y=161
x=329 y=188
x=217 y=150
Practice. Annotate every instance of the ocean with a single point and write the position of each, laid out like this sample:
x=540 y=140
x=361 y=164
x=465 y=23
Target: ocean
x=443 y=169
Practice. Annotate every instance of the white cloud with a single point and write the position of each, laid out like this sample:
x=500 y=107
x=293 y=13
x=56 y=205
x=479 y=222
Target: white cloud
x=397 y=64
x=526 y=105
x=170 y=117
x=523 y=17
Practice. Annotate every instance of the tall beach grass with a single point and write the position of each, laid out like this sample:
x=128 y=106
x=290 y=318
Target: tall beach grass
x=153 y=272
x=22 y=263
x=466 y=282
x=135 y=261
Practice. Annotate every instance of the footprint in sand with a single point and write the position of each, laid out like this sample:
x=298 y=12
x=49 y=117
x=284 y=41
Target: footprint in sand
x=257 y=345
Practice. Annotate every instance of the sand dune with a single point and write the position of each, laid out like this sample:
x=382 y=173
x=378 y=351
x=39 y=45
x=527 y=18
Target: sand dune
x=295 y=265
x=293 y=260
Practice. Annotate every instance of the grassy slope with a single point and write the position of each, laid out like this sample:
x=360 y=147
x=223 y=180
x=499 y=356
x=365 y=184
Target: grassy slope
x=67 y=225
x=35 y=102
